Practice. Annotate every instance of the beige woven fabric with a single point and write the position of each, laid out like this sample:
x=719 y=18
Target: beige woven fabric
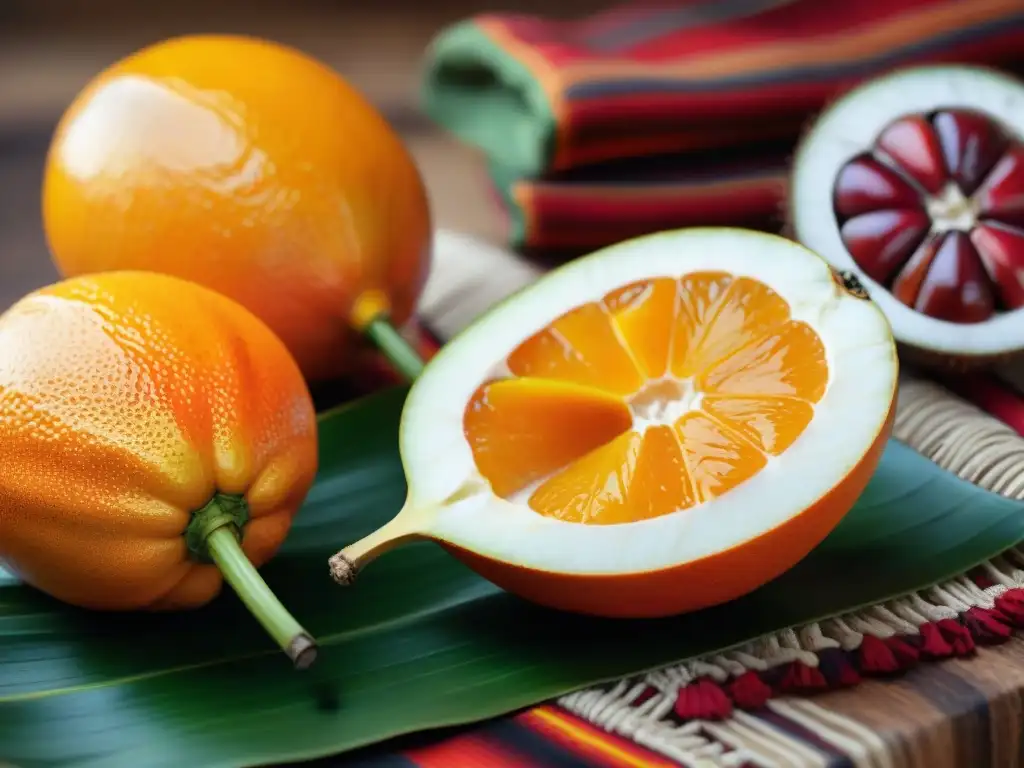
x=960 y=437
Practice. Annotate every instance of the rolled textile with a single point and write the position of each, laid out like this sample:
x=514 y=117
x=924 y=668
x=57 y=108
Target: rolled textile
x=613 y=125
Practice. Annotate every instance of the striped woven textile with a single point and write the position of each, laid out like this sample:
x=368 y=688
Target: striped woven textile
x=682 y=80
x=581 y=209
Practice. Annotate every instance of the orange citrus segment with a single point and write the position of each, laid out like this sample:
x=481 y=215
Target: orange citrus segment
x=661 y=483
x=748 y=310
x=771 y=423
x=580 y=346
x=645 y=312
x=717 y=458
x=521 y=430
x=788 y=362
x=717 y=377
x=700 y=296
x=595 y=488
x=632 y=478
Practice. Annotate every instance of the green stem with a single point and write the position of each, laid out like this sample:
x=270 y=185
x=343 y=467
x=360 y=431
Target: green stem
x=214 y=532
x=399 y=352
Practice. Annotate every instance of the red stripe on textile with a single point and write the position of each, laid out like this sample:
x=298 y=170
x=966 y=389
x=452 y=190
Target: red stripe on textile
x=609 y=22
x=792 y=24
x=569 y=217
x=562 y=46
x=784 y=62
x=599 y=747
x=601 y=139
x=597 y=129
x=673 y=17
x=468 y=750
x=699 y=201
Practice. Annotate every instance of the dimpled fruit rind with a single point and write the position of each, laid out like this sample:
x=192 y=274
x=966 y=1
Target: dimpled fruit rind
x=128 y=401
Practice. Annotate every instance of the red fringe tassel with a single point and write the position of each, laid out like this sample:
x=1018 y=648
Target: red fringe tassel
x=704 y=699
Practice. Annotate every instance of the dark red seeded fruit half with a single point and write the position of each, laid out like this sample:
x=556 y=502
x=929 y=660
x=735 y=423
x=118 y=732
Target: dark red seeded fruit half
x=915 y=182
x=932 y=211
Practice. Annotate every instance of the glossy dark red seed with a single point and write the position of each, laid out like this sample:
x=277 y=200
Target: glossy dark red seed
x=1001 y=196
x=1001 y=248
x=881 y=241
x=971 y=144
x=912 y=144
x=865 y=185
x=956 y=287
x=907 y=285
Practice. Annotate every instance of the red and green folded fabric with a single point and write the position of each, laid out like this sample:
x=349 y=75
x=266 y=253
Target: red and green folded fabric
x=581 y=209
x=654 y=115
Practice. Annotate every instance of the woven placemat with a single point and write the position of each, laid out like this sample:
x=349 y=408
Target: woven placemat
x=751 y=705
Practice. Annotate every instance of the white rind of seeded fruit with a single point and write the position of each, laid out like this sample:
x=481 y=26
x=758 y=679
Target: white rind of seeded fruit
x=439 y=463
x=850 y=127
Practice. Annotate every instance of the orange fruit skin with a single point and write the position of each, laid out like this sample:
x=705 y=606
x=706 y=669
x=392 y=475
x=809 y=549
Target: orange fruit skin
x=248 y=167
x=127 y=400
x=698 y=584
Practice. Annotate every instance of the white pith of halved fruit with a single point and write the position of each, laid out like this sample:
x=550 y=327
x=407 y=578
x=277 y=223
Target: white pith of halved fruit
x=453 y=503
x=849 y=127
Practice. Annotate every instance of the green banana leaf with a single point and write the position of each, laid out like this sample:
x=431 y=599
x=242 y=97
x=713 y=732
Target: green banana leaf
x=419 y=641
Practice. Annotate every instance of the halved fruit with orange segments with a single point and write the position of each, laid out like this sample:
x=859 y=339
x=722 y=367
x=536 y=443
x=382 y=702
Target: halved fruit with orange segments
x=661 y=426
x=915 y=182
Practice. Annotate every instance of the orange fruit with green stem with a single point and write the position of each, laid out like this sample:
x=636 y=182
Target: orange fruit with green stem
x=157 y=438
x=253 y=169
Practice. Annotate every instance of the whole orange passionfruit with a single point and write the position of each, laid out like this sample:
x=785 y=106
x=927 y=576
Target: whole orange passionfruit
x=157 y=440
x=248 y=167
